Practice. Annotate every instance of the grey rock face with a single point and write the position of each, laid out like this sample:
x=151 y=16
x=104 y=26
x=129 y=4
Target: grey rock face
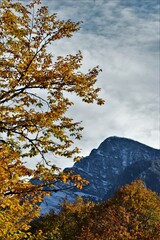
x=116 y=162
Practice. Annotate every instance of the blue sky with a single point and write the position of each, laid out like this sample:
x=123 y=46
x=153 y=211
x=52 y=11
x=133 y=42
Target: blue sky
x=122 y=37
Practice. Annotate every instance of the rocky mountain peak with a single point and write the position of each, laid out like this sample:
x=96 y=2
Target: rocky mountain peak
x=116 y=162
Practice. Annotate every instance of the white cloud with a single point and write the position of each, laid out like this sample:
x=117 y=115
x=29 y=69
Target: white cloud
x=122 y=37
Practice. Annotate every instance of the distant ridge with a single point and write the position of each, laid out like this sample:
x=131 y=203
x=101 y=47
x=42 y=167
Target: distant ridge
x=116 y=162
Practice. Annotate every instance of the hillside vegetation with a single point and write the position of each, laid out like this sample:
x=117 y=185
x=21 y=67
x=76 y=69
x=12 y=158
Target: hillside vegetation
x=133 y=213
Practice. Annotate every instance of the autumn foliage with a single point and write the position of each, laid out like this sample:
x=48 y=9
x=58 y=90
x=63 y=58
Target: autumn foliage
x=35 y=90
x=68 y=224
x=133 y=213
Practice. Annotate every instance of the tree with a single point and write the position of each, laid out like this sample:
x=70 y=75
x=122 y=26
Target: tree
x=66 y=225
x=133 y=213
x=34 y=100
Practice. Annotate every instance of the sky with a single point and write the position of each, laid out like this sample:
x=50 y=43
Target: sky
x=122 y=37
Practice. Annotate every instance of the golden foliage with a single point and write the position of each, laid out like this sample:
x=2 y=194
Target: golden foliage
x=17 y=202
x=35 y=93
x=67 y=225
x=134 y=213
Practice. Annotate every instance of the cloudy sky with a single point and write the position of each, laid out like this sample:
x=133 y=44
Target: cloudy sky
x=122 y=37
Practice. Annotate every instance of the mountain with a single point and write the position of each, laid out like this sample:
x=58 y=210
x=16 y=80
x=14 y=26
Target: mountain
x=116 y=162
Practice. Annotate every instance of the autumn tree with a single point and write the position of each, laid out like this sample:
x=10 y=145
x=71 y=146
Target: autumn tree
x=133 y=213
x=35 y=90
x=67 y=224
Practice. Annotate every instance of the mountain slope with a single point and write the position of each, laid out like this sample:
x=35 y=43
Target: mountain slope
x=116 y=162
